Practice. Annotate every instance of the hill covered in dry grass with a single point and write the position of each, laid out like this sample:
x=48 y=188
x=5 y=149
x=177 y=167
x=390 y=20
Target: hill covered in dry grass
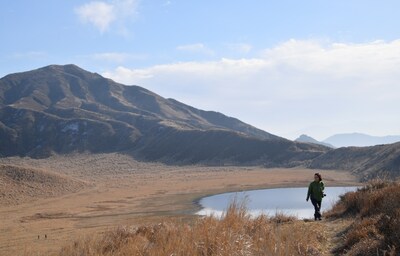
x=375 y=212
x=22 y=184
x=382 y=161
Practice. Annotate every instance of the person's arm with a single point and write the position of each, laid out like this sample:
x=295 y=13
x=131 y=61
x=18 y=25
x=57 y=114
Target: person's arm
x=309 y=192
x=322 y=188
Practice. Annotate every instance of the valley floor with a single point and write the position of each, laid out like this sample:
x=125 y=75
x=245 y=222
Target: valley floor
x=121 y=191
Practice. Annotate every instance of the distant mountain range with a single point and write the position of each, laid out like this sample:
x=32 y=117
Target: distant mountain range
x=359 y=140
x=307 y=139
x=63 y=109
x=351 y=140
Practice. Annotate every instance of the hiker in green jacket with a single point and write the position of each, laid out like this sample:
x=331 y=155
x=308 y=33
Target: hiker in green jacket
x=316 y=192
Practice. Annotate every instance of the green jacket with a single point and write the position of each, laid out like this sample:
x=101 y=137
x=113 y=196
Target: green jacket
x=316 y=190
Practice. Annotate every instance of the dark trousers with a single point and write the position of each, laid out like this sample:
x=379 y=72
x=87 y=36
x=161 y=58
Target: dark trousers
x=317 y=208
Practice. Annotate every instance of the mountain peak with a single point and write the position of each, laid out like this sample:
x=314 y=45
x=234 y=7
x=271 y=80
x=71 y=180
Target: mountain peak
x=307 y=139
x=56 y=67
x=64 y=108
x=70 y=69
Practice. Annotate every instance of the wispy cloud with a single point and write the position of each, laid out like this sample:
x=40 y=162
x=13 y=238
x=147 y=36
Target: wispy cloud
x=295 y=85
x=117 y=57
x=33 y=55
x=167 y=3
x=241 y=48
x=103 y=14
x=195 y=48
x=99 y=14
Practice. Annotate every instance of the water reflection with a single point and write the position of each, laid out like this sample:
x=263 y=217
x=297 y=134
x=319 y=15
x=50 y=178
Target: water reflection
x=291 y=201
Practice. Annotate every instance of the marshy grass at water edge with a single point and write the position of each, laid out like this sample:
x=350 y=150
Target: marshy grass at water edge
x=364 y=222
x=236 y=233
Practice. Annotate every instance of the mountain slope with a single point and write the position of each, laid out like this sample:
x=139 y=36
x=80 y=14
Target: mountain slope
x=61 y=109
x=367 y=162
x=359 y=140
x=307 y=139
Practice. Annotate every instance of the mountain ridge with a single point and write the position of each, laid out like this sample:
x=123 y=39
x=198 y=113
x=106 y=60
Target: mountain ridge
x=360 y=140
x=62 y=109
x=382 y=161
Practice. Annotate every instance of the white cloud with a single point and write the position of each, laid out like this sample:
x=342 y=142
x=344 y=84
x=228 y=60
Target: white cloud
x=299 y=85
x=103 y=14
x=99 y=14
x=195 y=48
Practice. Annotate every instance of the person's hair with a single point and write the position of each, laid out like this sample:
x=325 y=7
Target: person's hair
x=319 y=176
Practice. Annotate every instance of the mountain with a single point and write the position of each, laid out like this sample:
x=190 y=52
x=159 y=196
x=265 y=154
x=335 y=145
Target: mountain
x=366 y=162
x=62 y=109
x=307 y=139
x=359 y=140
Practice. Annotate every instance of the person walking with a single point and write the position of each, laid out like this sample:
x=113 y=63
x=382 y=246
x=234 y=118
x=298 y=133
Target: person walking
x=316 y=192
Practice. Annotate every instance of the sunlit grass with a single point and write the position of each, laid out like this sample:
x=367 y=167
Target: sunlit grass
x=375 y=209
x=236 y=233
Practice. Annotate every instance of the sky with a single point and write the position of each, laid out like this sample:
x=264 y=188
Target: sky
x=288 y=67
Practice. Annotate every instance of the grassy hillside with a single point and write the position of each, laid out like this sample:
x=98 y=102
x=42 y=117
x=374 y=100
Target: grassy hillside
x=382 y=161
x=375 y=210
x=22 y=184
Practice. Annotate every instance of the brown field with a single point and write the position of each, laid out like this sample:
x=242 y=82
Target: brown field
x=117 y=191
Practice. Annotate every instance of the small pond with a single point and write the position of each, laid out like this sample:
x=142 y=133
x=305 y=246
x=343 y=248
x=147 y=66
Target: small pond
x=290 y=201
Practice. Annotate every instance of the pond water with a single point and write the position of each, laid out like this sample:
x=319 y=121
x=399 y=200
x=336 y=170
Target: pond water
x=290 y=201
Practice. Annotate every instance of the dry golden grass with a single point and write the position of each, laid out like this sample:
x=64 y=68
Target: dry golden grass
x=236 y=233
x=376 y=212
x=24 y=184
x=123 y=192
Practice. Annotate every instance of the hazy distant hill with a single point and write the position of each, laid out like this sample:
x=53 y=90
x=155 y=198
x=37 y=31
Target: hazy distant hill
x=307 y=139
x=61 y=109
x=359 y=140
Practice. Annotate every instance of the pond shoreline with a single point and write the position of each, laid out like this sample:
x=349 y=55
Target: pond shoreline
x=268 y=201
x=196 y=202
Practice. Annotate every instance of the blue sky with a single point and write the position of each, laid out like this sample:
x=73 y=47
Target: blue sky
x=288 y=67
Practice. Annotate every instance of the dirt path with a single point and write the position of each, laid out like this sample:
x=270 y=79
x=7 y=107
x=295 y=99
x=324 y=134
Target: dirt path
x=333 y=231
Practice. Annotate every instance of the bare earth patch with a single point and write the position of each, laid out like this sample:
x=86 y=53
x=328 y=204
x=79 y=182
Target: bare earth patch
x=120 y=191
